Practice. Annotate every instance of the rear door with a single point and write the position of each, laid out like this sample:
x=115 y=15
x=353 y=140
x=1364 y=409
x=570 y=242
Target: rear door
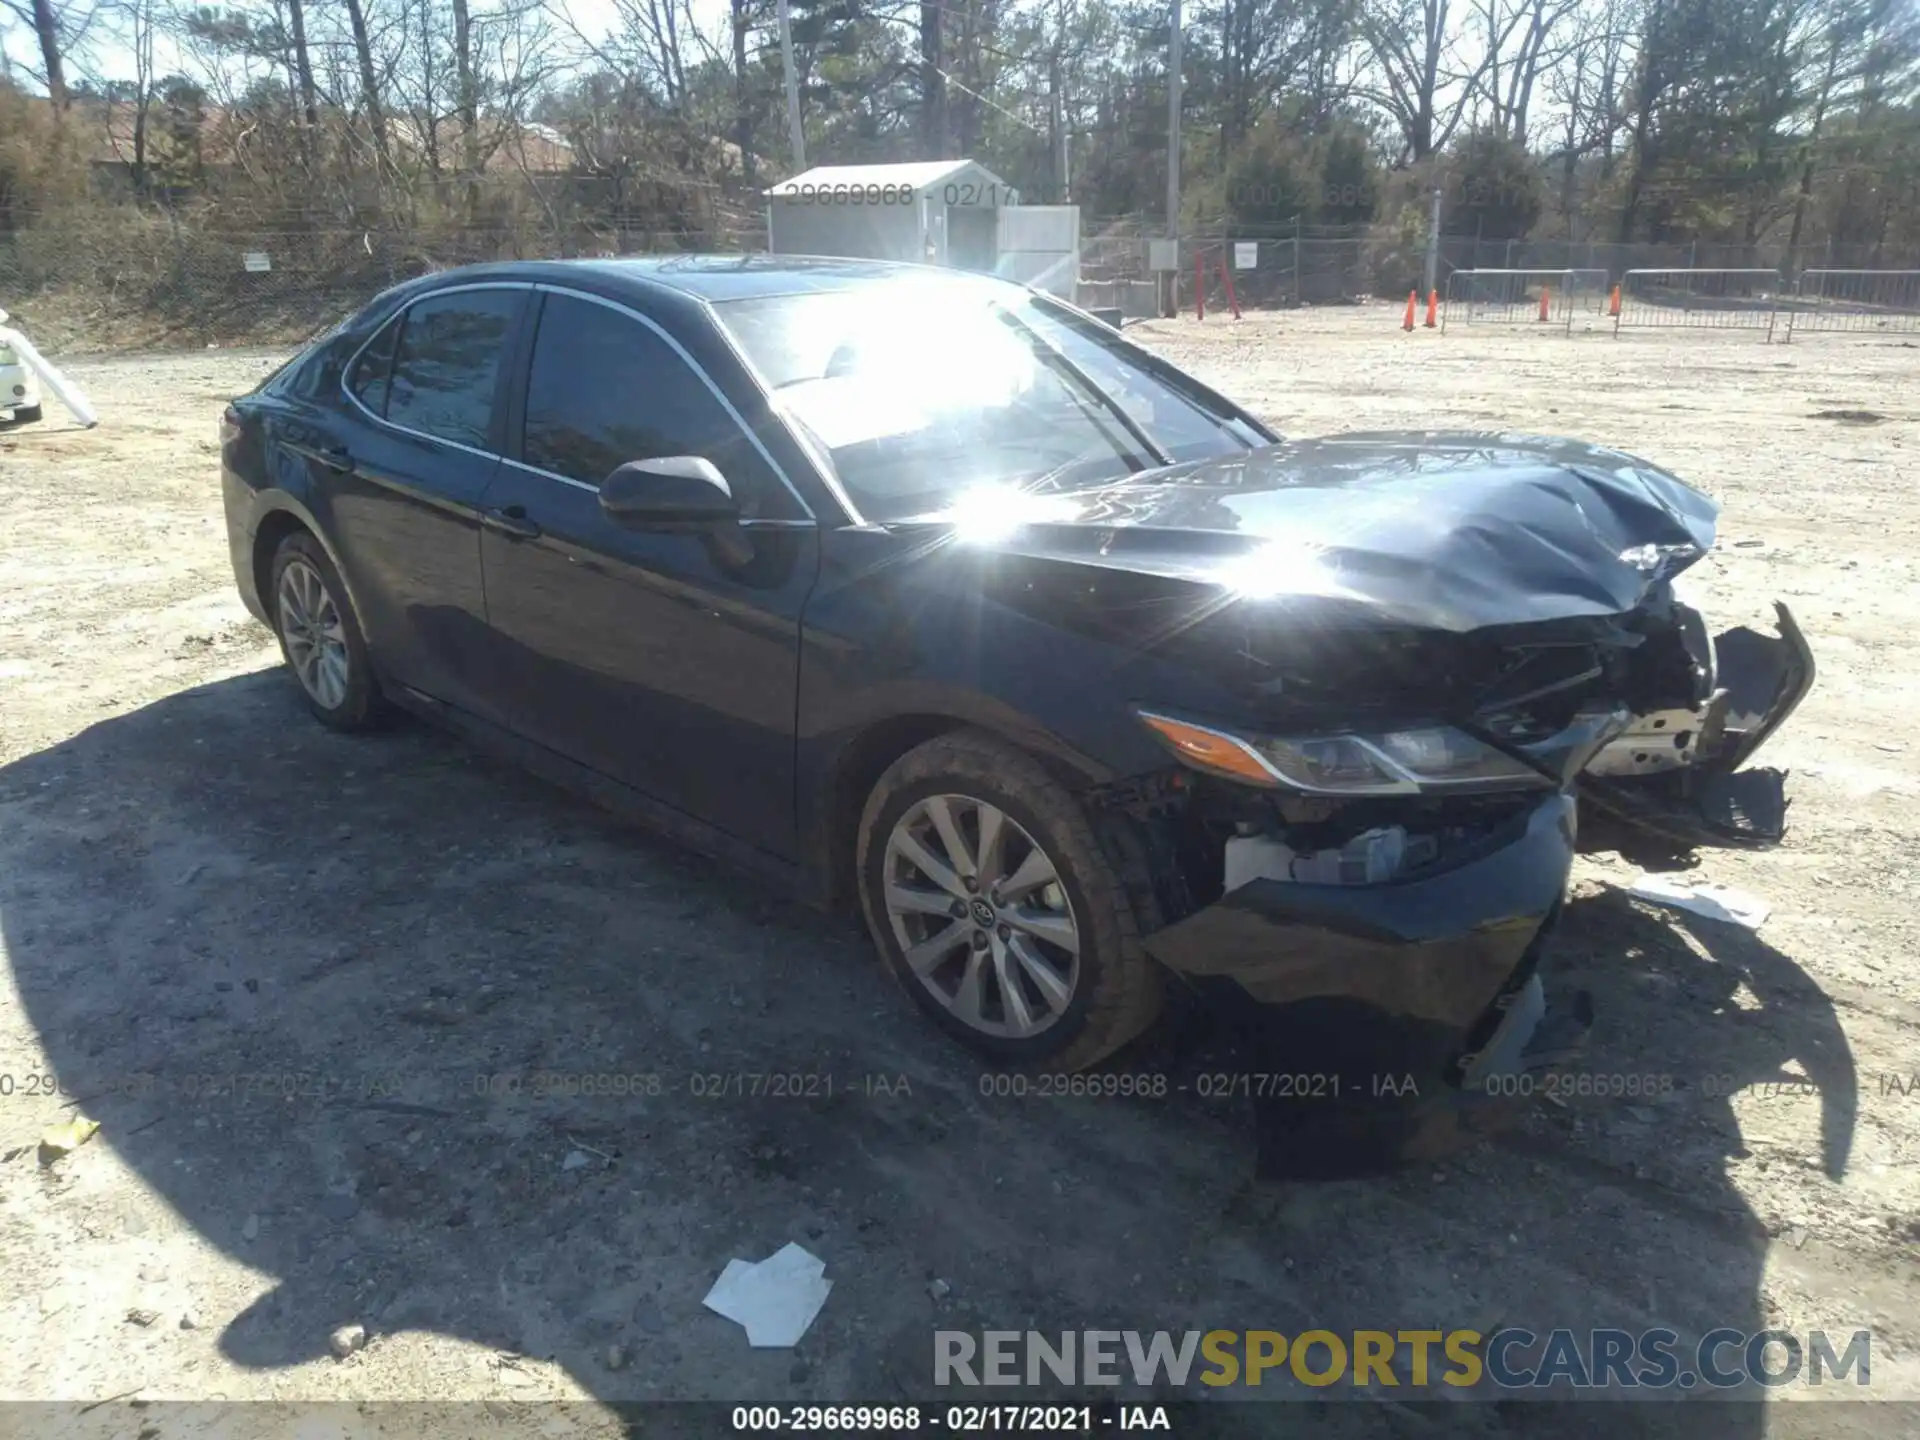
x=669 y=661
x=402 y=502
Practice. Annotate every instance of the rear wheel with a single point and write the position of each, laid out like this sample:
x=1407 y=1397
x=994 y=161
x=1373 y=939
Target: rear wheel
x=27 y=414
x=996 y=907
x=320 y=636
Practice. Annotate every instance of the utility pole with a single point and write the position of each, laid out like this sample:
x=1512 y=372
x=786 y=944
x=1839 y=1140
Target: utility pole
x=1433 y=246
x=1057 y=118
x=794 y=132
x=1173 y=129
x=1172 y=303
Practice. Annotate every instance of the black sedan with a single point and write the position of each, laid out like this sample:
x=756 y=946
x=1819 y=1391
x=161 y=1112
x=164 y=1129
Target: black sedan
x=923 y=590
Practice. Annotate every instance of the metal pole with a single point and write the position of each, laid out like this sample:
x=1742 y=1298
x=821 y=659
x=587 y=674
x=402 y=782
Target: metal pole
x=1173 y=128
x=1057 y=109
x=1298 y=298
x=794 y=132
x=1433 y=246
x=1171 y=304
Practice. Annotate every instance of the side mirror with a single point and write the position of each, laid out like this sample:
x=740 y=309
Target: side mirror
x=674 y=492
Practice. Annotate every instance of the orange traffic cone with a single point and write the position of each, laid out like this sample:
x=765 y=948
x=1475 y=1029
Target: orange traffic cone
x=1546 y=300
x=1613 y=306
x=1413 y=298
x=1433 y=308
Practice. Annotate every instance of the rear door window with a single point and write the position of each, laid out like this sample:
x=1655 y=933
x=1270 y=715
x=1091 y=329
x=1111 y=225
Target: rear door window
x=447 y=367
x=367 y=380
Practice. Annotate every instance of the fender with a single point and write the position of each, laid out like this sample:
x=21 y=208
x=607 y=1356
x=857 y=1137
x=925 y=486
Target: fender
x=262 y=509
x=835 y=768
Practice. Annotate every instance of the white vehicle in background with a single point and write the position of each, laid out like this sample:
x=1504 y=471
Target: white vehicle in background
x=19 y=389
x=23 y=370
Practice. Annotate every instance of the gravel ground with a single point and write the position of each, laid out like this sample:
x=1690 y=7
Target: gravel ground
x=201 y=892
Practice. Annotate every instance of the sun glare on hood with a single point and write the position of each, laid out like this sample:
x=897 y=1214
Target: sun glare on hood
x=1280 y=568
x=987 y=514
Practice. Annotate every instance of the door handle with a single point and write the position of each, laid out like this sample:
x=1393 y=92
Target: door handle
x=336 y=457
x=512 y=520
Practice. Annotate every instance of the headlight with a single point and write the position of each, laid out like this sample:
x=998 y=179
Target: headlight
x=1399 y=762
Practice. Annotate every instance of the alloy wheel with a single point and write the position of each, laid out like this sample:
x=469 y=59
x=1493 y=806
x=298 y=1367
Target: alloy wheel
x=315 y=639
x=981 y=916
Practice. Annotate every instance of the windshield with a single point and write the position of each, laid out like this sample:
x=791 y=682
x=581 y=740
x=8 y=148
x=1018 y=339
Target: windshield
x=921 y=390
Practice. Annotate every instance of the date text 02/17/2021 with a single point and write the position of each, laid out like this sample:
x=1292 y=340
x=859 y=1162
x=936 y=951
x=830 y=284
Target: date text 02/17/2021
x=952 y=1419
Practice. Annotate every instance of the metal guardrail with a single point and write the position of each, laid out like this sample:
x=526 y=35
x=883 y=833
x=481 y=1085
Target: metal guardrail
x=1854 y=301
x=1699 y=300
x=1518 y=297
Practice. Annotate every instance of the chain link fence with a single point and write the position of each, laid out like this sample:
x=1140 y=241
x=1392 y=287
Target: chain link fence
x=1285 y=265
x=123 y=278
x=134 y=277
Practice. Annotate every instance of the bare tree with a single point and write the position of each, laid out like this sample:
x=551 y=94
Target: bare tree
x=1583 y=83
x=1516 y=34
x=369 y=83
x=57 y=30
x=1410 y=46
x=303 y=75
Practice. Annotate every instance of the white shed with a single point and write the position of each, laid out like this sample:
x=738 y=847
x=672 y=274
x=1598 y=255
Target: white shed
x=935 y=212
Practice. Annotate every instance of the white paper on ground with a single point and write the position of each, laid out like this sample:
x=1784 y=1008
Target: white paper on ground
x=776 y=1299
x=1715 y=902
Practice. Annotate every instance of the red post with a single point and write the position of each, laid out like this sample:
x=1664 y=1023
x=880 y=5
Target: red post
x=1199 y=284
x=1226 y=276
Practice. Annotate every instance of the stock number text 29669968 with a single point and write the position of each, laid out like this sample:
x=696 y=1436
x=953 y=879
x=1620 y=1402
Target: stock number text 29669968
x=843 y=193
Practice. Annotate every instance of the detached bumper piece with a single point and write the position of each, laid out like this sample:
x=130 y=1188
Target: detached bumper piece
x=1761 y=680
x=1370 y=1018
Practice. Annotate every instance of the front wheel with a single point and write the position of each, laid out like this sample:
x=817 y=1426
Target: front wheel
x=996 y=907
x=27 y=414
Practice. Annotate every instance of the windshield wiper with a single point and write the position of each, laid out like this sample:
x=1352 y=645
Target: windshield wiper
x=1078 y=380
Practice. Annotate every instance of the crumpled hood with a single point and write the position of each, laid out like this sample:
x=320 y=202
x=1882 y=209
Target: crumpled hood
x=1439 y=531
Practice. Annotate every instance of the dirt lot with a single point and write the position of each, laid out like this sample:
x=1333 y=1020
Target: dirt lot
x=197 y=884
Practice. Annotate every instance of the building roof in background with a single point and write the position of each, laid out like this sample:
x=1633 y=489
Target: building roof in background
x=920 y=176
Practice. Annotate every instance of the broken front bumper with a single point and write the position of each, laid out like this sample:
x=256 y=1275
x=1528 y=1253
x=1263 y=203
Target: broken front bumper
x=1367 y=1019
x=1674 y=778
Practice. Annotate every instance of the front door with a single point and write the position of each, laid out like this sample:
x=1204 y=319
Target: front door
x=668 y=661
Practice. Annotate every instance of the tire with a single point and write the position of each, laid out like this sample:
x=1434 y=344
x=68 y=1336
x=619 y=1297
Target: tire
x=1112 y=989
x=27 y=414
x=340 y=689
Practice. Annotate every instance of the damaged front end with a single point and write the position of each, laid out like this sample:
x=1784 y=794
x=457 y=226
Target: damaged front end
x=1672 y=780
x=1374 y=956
x=1381 y=888
x=1403 y=677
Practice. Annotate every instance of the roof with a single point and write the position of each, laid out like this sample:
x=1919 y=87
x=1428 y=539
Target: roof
x=917 y=175
x=717 y=278
x=738 y=277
